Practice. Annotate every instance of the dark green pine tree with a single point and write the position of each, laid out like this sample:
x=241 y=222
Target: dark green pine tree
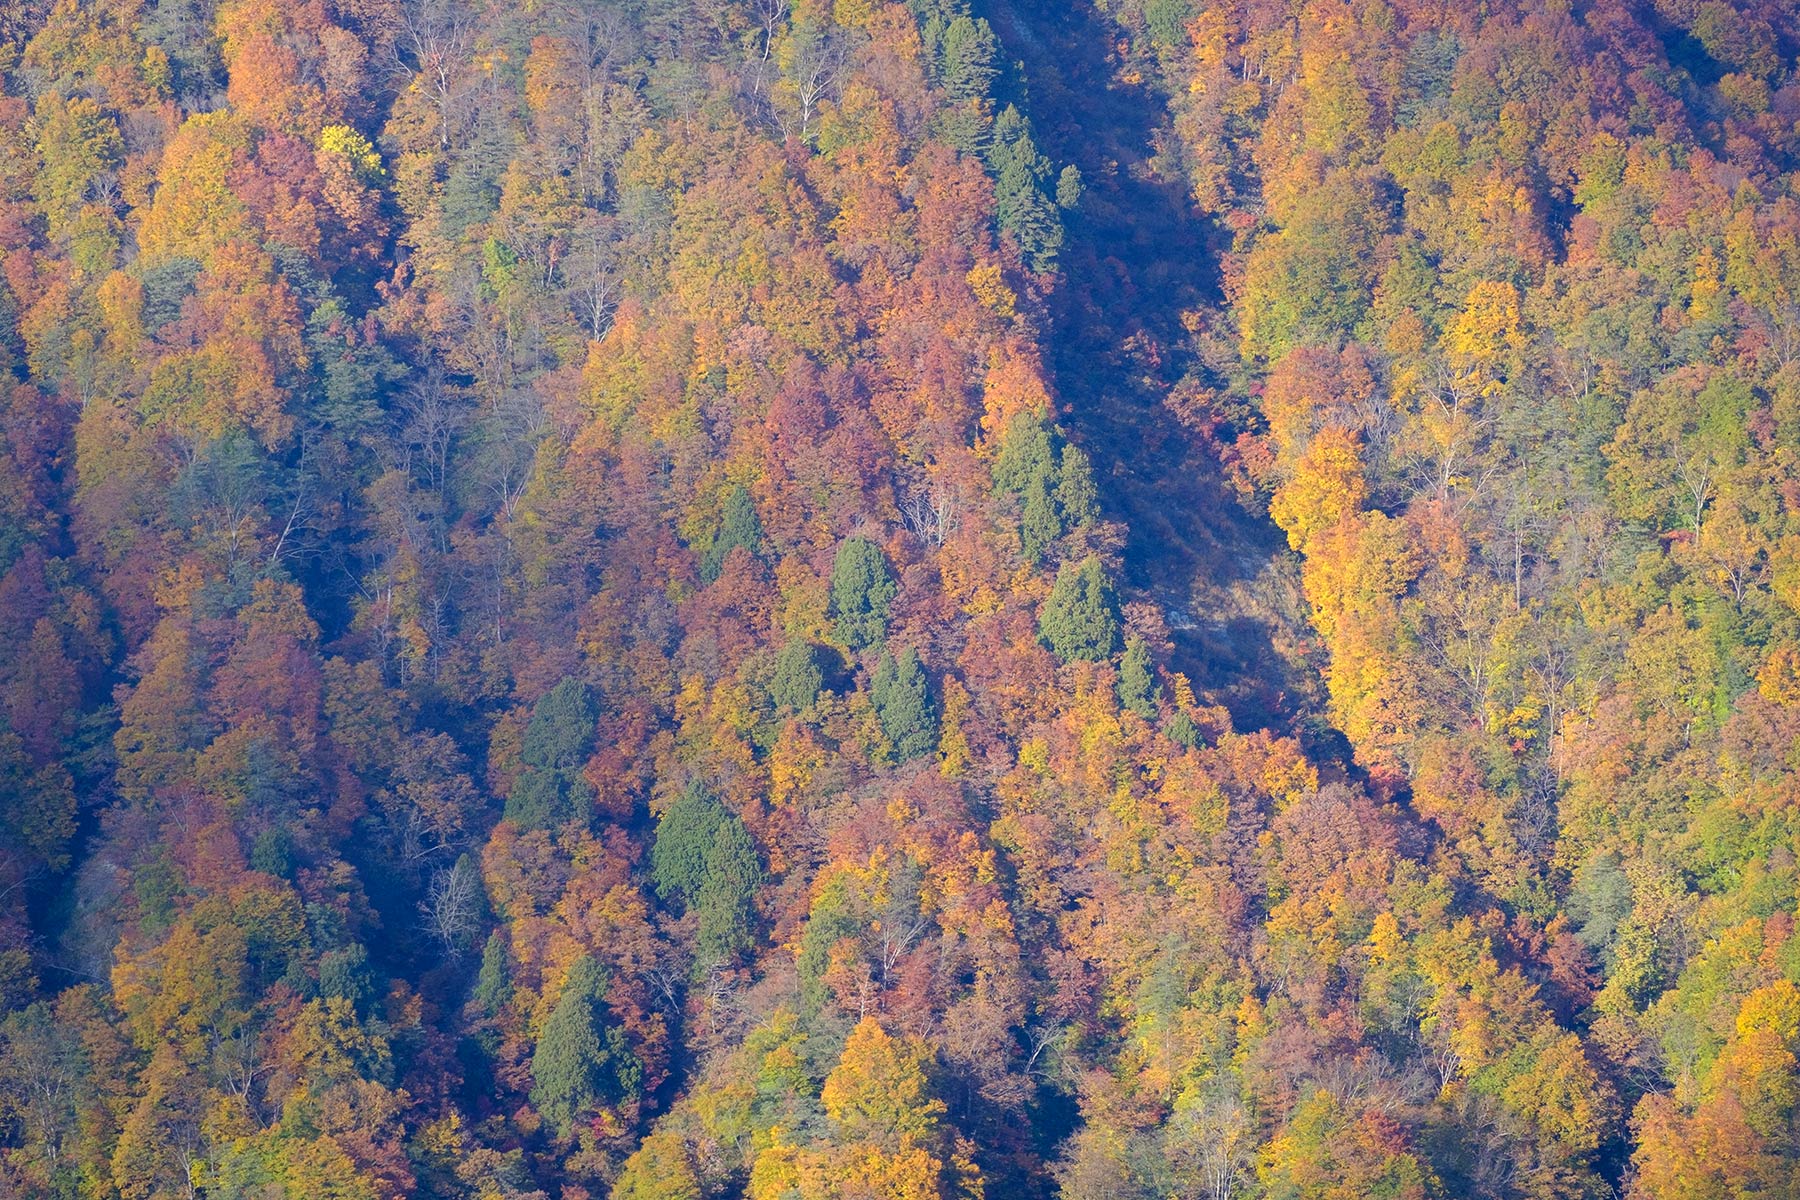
x=678 y=855
x=739 y=527
x=1078 y=621
x=1020 y=205
x=550 y=789
x=1069 y=188
x=1026 y=453
x=493 y=983
x=903 y=705
x=797 y=679
x=703 y=859
x=1137 y=687
x=1076 y=496
x=580 y=1062
x=861 y=591
x=724 y=902
x=966 y=59
x=1039 y=526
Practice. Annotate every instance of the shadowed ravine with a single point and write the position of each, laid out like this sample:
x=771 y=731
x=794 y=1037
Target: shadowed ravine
x=1138 y=256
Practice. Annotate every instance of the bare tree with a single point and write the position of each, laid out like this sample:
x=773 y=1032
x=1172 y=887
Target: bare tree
x=1212 y=1142
x=452 y=906
x=596 y=275
x=930 y=514
x=433 y=421
x=815 y=68
x=770 y=16
x=436 y=40
x=1522 y=524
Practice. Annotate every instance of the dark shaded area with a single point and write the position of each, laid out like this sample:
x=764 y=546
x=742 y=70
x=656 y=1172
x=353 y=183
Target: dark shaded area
x=1139 y=256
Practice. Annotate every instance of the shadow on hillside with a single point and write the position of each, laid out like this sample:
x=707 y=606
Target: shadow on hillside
x=1138 y=255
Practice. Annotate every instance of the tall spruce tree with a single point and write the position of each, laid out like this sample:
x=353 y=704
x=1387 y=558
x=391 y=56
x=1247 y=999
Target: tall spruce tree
x=493 y=983
x=581 y=1062
x=1077 y=498
x=1039 y=525
x=1078 y=621
x=738 y=528
x=902 y=703
x=861 y=591
x=1137 y=686
x=550 y=789
x=1020 y=203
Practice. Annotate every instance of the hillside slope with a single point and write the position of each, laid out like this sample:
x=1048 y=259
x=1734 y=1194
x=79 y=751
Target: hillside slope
x=690 y=598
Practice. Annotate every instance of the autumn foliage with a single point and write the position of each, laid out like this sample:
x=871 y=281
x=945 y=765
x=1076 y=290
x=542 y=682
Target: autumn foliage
x=562 y=633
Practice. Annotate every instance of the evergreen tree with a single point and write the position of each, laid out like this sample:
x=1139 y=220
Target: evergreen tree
x=964 y=127
x=550 y=789
x=1182 y=730
x=1039 y=526
x=797 y=679
x=1076 y=494
x=738 y=528
x=345 y=973
x=1026 y=453
x=685 y=830
x=1137 y=687
x=352 y=378
x=1078 y=621
x=729 y=877
x=1069 y=188
x=493 y=983
x=966 y=58
x=273 y=852
x=580 y=1062
x=561 y=733
x=903 y=705
x=704 y=859
x=861 y=591
x=1020 y=205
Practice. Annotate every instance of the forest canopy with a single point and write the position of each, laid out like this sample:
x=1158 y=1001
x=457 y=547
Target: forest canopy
x=829 y=599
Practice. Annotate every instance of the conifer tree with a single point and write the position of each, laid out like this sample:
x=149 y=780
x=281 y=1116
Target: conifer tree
x=685 y=830
x=966 y=58
x=1026 y=453
x=1078 y=621
x=550 y=789
x=903 y=705
x=1039 y=526
x=729 y=876
x=493 y=983
x=580 y=1062
x=1069 y=188
x=1023 y=210
x=861 y=591
x=1182 y=731
x=704 y=860
x=738 y=528
x=344 y=973
x=797 y=679
x=1076 y=495
x=1137 y=687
